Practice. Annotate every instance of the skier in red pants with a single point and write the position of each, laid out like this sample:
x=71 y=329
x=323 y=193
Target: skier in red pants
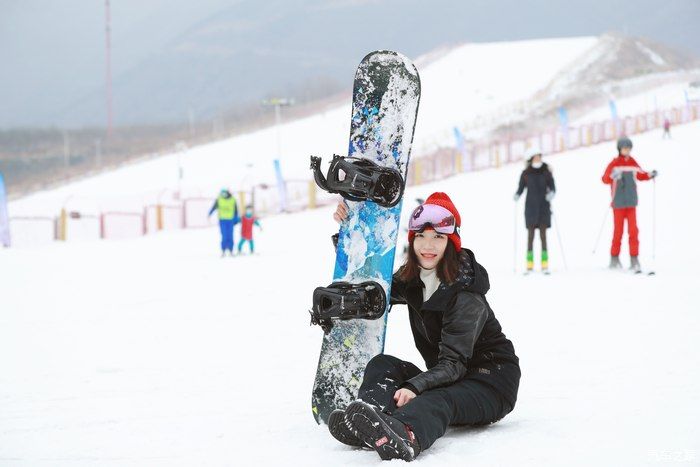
x=621 y=174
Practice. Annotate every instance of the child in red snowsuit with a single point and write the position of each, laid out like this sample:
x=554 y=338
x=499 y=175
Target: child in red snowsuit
x=247 y=223
x=621 y=174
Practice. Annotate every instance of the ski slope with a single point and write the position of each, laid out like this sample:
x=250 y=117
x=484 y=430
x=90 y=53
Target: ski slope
x=467 y=82
x=155 y=351
x=658 y=98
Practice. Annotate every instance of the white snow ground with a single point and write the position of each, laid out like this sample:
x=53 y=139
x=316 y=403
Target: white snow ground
x=155 y=351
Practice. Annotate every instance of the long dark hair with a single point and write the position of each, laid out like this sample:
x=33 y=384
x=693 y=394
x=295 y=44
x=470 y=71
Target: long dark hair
x=447 y=268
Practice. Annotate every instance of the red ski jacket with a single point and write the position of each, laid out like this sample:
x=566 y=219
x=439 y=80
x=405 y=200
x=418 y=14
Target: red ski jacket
x=247 y=227
x=624 y=189
x=626 y=162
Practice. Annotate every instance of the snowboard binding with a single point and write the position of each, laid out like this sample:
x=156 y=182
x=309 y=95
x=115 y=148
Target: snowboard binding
x=358 y=179
x=343 y=300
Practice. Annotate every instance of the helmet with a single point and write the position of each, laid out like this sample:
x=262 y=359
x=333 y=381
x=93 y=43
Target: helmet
x=624 y=142
x=532 y=151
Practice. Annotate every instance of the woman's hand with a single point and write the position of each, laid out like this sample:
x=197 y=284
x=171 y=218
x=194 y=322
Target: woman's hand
x=341 y=212
x=403 y=396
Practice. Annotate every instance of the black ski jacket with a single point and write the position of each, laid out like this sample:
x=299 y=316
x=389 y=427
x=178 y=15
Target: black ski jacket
x=457 y=333
x=538 y=182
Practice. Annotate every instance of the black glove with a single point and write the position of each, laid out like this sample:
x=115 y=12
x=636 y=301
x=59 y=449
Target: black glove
x=334 y=238
x=653 y=174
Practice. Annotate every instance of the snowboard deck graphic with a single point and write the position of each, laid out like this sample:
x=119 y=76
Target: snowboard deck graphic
x=386 y=93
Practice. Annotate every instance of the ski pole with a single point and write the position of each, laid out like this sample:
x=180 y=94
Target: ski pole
x=600 y=232
x=515 y=237
x=561 y=245
x=653 y=222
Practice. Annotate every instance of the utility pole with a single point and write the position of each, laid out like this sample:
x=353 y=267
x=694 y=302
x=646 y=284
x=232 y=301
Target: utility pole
x=108 y=71
x=98 y=153
x=180 y=148
x=190 y=118
x=278 y=103
x=66 y=149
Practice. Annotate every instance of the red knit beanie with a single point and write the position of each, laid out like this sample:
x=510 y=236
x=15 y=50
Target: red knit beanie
x=441 y=199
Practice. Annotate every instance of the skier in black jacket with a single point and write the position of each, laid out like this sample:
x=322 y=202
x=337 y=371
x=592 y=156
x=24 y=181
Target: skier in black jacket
x=537 y=178
x=473 y=373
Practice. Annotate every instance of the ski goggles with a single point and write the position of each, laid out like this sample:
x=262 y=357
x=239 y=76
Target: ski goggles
x=430 y=215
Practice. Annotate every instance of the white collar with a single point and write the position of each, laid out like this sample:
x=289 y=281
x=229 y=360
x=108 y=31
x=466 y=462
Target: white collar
x=430 y=280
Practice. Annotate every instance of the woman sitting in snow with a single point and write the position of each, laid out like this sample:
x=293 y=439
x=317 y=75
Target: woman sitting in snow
x=473 y=372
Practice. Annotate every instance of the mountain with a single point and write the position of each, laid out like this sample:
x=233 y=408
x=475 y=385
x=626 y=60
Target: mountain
x=229 y=55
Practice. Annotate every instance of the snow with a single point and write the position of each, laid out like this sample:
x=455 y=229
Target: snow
x=660 y=98
x=155 y=351
x=653 y=56
x=477 y=80
x=568 y=77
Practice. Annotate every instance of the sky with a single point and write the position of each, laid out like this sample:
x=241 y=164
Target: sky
x=168 y=56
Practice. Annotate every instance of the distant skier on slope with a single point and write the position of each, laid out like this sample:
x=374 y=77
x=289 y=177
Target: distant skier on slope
x=621 y=173
x=248 y=221
x=537 y=178
x=225 y=204
x=473 y=373
x=667 y=129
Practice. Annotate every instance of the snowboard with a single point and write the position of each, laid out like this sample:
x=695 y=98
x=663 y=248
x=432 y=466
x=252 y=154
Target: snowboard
x=386 y=94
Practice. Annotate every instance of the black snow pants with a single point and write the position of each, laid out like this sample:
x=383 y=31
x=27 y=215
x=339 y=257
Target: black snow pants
x=466 y=402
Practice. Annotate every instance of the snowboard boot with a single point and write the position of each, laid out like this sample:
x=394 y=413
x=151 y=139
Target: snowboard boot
x=615 y=262
x=530 y=261
x=340 y=430
x=388 y=436
x=545 y=261
x=634 y=264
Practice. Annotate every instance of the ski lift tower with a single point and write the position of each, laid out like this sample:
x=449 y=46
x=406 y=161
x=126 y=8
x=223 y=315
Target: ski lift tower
x=278 y=103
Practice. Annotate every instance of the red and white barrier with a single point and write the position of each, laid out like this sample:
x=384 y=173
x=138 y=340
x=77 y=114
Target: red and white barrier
x=302 y=194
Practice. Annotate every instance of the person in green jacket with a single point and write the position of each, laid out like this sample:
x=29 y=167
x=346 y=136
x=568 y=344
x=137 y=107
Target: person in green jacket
x=225 y=204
